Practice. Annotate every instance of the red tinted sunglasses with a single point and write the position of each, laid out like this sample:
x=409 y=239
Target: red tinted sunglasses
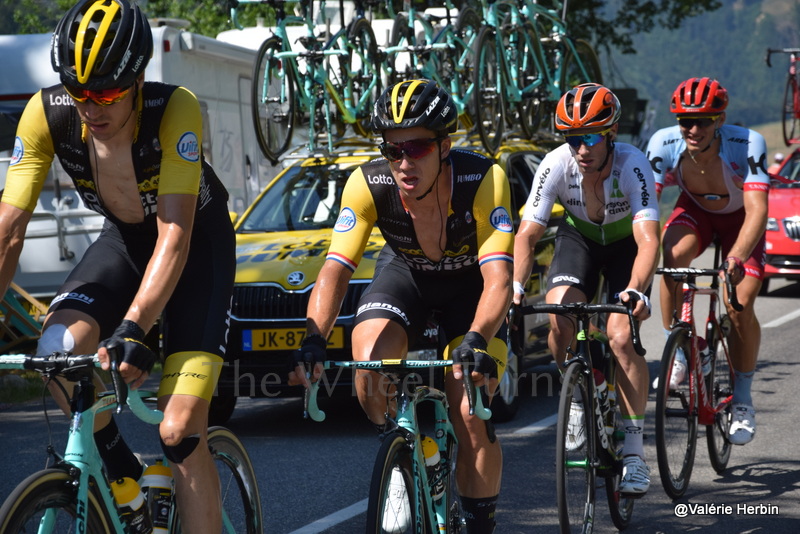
x=104 y=97
x=414 y=149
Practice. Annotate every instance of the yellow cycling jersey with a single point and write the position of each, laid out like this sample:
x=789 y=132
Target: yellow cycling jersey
x=479 y=227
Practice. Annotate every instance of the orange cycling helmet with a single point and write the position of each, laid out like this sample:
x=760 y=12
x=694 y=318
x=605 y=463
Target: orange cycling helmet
x=589 y=105
x=700 y=96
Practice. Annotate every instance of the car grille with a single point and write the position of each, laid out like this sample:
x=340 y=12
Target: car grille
x=273 y=302
x=792 y=228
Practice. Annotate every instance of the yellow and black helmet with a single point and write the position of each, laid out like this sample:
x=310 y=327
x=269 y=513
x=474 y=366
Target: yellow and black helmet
x=415 y=103
x=101 y=44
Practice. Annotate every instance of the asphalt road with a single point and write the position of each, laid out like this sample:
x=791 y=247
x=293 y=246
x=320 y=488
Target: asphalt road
x=314 y=477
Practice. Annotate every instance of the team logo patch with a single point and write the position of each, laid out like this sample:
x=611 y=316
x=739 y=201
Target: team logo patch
x=18 y=152
x=501 y=220
x=346 y=221
x=188 y=147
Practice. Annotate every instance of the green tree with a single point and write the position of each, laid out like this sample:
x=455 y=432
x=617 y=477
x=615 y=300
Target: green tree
x=31 y=16
x=207 y=17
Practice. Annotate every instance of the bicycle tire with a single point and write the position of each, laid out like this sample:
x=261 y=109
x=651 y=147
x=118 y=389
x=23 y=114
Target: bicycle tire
x=719 y=384
x=790 y=120
x=575 y=470
x=468 y=26
x=394 y=453
x=676 y=419
x=583 y=58
x=620 y=507
x=365 y=67
x=241 y=501
x=401 y=64
x=531 y=108
x=51 y=489
x=489 y=95
x=273 y=102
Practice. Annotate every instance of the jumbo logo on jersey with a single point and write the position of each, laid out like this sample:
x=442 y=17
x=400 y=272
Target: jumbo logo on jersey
x=501 y=220
x=346 y=221
x=188 y=147
x=18 y=152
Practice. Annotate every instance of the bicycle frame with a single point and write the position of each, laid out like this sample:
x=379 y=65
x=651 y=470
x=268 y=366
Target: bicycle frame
x=790 y=116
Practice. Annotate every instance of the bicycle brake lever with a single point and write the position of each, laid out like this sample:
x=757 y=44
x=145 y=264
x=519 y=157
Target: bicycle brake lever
x=476 y=406
x=635 y=338
x=310 y=407
x=120 y=387
x=732 y=299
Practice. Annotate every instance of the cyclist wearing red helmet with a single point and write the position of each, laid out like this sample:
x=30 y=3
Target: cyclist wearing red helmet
x=444 y=213
x=610 y=227
x=720 y=169
x=133 y=150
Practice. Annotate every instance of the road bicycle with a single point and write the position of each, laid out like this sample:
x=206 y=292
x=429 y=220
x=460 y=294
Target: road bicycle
x=525 y=61
x=423 y=44
x=701 y=397
x=401 y=449
x=578 y=466
x=332 y=79
x=790 y=116
x=73 y=493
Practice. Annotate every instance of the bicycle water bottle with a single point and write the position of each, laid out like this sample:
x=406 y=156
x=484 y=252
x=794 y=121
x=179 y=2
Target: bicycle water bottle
x=705 y=355
x=602 y=397
x=433 y=462
x=132 y=506
x=157 y=487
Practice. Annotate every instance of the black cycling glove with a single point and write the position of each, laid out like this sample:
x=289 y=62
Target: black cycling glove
x=126 y=345
x=313 y=350
x=472 y=354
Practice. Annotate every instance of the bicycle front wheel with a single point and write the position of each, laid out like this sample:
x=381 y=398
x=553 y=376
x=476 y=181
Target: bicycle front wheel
x=791 y=111
x=490 y=100
x=620 y=508
x=575 y=453
x=580 y=66
x=392 y=505
x=719 y=384
x=47 y=501
x=272 y=101
x=676 y=417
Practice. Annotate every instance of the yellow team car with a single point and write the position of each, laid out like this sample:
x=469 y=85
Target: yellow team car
x=281 y=243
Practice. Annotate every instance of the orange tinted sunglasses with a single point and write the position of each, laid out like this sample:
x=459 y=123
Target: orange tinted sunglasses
x=104 y=97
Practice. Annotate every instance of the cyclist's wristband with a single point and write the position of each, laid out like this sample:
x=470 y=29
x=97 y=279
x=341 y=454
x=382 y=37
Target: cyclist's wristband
x=519 y=288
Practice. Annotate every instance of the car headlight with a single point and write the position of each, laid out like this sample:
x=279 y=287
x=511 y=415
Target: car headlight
x=772 y=224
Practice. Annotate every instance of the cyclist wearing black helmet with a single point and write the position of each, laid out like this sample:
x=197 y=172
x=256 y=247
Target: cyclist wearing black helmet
x=134 y=152
x=610 y=227
x=444 y=214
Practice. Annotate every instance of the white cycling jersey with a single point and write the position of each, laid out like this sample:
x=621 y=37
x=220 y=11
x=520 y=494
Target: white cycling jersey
x=630 y=194
x=743 y=153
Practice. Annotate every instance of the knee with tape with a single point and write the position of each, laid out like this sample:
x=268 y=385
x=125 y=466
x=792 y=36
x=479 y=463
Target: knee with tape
x=178 y=453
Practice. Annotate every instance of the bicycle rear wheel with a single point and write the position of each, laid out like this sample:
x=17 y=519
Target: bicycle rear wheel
x=791 y=111
x=580 y=66
x=490 y=100
x=620 y=508
x=50 y=492
x=365 y=73
x=676 y=419
x=468 y=26
x=392 y=506
x=575 y=455
x=272 y=101
x=719 y=384
x=401 y=64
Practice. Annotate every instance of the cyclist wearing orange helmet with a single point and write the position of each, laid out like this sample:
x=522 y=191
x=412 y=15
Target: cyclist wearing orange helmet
x=720 y=169
x=133 y=150
x=610 y=227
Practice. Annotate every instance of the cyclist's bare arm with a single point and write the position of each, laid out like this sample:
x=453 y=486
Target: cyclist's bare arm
x=755 y=220
x=528 y=235
x=13 y=222
x=646 y=235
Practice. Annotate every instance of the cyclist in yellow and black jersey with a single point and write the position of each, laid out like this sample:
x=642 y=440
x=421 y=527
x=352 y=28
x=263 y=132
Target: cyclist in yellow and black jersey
x=444 y=214
x=133 y=151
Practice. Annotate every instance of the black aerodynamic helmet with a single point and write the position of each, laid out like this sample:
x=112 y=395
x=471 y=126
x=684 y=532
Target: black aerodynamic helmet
x=415 y=103
x=101 y=44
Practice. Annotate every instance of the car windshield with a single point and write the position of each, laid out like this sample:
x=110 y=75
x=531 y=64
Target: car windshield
x=303 y=198
x=791 y=170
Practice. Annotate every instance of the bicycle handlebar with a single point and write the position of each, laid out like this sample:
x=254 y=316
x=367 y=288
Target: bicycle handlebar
x=586 y=309
x=61 y=363
x=681 y=273
x=311 y=408
x=771 y=51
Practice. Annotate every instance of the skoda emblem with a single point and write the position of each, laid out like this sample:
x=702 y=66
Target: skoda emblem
x=296 y=278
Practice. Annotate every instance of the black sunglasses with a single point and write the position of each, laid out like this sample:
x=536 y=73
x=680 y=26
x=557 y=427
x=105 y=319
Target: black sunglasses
x=414 y=149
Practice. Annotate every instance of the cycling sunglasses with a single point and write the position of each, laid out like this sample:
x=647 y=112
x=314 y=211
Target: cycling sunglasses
x=104 y=97
x=575 y=141
x=702 y=122
x=414 y=149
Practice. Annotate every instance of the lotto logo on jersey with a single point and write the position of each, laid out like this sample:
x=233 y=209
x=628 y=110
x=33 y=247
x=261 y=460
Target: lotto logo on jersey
x=188 y=147
x=346 y=221
x=501 y=220
x=17 y=152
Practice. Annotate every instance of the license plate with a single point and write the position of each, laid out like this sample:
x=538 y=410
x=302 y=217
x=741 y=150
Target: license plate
x=285 y=338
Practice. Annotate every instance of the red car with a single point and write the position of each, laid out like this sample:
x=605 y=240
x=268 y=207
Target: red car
x=783 y=224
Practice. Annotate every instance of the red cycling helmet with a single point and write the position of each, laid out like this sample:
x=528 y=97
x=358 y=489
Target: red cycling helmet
x=699 y=96
x=589 y=105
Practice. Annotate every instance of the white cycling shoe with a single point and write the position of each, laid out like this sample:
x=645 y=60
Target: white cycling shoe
x=397 y=511
x=678 y=374
x=635 y=476
x=743 y=424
